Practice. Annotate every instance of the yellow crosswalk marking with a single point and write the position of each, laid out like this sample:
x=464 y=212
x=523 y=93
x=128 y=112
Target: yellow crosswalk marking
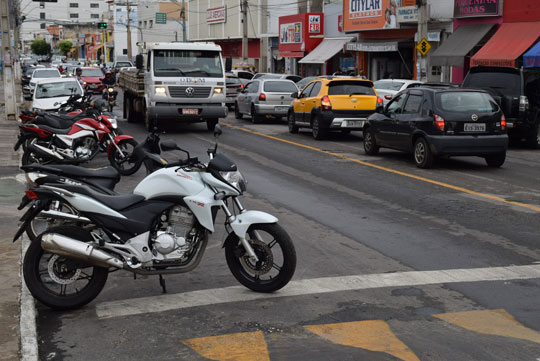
x=245 y=346
x=370 y=335
x=491 y=322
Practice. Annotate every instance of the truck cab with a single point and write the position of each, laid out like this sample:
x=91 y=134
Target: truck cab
x=183 y=82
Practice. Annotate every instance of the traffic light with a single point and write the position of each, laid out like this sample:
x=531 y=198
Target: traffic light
x=102 y=26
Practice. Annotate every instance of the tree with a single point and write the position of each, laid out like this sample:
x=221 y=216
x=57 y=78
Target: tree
x=65 y=46
x=40 y=47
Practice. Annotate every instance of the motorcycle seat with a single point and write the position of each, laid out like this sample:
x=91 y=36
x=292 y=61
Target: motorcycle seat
x=54 y=122
x=116 y=202
x=74 y=171
x=54 y=130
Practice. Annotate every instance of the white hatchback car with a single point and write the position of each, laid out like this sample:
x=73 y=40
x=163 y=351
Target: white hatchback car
x=51 y=93
x=387 y=88
x=41 y=73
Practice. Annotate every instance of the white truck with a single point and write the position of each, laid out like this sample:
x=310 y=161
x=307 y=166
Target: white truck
x=176 y=82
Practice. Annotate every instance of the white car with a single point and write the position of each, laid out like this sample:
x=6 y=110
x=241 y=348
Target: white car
x=387 y=88
x=51 y=93
x=40 y=73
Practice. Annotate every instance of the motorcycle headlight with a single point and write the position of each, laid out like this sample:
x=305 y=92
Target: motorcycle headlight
x=236 y=179
x=114 y=123
x=111 y=90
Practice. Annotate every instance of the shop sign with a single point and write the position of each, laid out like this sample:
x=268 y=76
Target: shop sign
x=216 y=15
x=290 y=33
x=407 y=14
x=373 y=47
x=370 y=14
x=314 y=24
x=472 y=8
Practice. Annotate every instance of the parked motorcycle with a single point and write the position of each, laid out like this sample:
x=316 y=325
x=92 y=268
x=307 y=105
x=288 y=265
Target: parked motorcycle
x=162 y=228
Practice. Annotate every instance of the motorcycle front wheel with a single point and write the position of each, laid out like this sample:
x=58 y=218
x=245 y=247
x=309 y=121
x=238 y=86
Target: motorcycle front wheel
x=276 y=253
x=60 y=282
x=121 y=162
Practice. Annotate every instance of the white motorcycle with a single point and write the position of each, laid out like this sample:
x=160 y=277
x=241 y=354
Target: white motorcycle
x=162 y=228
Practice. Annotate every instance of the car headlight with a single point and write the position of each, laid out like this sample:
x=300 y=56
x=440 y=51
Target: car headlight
x=218 y=90
x=111 y=90
x=236 y=179
x=161 y=90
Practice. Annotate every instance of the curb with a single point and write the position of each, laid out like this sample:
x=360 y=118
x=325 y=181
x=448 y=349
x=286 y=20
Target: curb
x=28 y=327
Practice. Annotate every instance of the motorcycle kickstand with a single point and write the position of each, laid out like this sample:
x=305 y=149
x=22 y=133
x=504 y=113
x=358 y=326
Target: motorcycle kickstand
x=162 y=284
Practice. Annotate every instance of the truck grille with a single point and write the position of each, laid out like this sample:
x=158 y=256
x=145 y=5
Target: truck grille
x=198 y=92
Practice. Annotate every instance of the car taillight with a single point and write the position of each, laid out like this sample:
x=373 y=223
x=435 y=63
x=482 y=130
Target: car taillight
x=503 y=122
x=439 y=122
x=523 y=103
x=325 y=103
x=388 y=97
x=262 y=97
x=242 y=86
x=380 y=101
x=31 y=195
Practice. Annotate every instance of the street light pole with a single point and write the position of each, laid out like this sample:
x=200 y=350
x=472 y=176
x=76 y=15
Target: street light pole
x=128 y=30
x=184 y=34
x=7 y=54
x=244 y=31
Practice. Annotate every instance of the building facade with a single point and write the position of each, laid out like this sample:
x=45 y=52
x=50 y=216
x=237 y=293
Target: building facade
x=161 y=21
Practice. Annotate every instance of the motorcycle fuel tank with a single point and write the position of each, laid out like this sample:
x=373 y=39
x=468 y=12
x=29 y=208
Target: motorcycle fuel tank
x=170 y=182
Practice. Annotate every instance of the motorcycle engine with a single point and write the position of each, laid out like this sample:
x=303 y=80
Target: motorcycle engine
x=176 y=236
x=82 y=152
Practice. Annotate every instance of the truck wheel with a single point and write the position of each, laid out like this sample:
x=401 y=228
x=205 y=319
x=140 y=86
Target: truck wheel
x=211 y=124
x=130 y=117
x=149 y=123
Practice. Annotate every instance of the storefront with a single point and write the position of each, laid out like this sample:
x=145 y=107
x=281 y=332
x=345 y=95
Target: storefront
x=299 y=35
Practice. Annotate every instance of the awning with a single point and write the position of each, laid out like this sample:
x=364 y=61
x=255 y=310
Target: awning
x=325 y=50
x=454 y=49
x=508 y=44
x=532 y=57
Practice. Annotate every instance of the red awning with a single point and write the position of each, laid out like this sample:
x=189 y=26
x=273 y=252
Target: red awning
x=292 y=54
x=508 y=44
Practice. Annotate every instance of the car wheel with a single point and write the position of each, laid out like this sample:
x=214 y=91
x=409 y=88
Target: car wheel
x=319 y=133
x=293 y=128
x=237 y=113
x=423 y=157
x=533 y=140
x=496 y=160
x=370 y=144
x=255 y=119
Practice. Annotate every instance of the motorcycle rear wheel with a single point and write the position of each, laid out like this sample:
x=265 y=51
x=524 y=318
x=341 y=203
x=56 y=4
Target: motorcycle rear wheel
x=274 y=269
x=30 y=157
x=40 y=224
x=60 y=282
x=122 y=163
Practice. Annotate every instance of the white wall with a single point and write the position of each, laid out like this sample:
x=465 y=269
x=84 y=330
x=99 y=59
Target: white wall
x=441 y=9
x=146 y=17
x=120 y=31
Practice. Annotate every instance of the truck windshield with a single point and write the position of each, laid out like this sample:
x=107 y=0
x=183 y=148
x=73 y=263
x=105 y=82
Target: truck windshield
x=175 y=63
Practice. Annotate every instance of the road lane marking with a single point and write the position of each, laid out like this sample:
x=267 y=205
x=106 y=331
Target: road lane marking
x=390 y=170
x=491 y=322
x=167 y=302
x=373 y=335
x=245 y=346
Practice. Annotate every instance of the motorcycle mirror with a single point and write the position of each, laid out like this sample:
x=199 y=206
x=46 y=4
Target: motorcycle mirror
x=217 y=131
x=167 y=145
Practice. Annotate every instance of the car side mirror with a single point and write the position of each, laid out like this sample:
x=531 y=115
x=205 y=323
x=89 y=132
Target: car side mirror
x=294 y=95
x=139 y=62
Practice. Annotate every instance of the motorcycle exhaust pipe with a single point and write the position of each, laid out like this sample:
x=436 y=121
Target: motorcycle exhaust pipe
x=69 y=247
x=64 y=216
x=45 y=152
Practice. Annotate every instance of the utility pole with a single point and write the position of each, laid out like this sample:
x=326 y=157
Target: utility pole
x=128 y=29
x=7 y=69
x=423 y=17
x=184 y=34
x=244 y=31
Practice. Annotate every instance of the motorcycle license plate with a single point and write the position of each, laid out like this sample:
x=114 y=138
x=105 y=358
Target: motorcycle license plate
x=190 y=111
x=474 y=127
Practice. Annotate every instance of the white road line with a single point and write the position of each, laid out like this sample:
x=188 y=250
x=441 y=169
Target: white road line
x=168 y=302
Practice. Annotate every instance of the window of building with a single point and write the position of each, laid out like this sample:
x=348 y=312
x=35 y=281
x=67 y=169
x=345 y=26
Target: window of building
x=124 y=51
x=74 y=16
x=94 y=16
x=145 y=23
x=42 y=5
x=73 y=5
x=42 y=26
x=94 y=5
x=150 y=23
x=42 y=15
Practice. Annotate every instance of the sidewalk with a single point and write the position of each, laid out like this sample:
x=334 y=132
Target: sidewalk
x=11 y=191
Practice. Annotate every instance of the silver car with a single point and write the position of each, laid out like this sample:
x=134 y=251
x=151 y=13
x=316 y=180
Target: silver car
x=265 y=98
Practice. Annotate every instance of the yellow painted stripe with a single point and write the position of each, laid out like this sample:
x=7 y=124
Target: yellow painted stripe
x=369 y=335
x=246 y=346
x=491 y=322
x=390 y=170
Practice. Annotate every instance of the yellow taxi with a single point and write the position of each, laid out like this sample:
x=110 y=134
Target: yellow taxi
x=333 y=104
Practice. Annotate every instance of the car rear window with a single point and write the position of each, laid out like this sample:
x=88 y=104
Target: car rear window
x=466 y=102
x=92 y=73
x=502 y=83
x=279 y=87
x=388 y=85
x=123 y=64
x=46 y=74
x=350 y=87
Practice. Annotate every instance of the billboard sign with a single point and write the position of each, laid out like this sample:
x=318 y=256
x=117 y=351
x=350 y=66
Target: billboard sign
x=290 y=33
x=473 y=8
x=314 y=24
x=216 y=15
x=370 y=14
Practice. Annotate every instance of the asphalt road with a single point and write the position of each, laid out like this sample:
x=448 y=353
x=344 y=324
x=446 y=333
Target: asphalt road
x=366 y=222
